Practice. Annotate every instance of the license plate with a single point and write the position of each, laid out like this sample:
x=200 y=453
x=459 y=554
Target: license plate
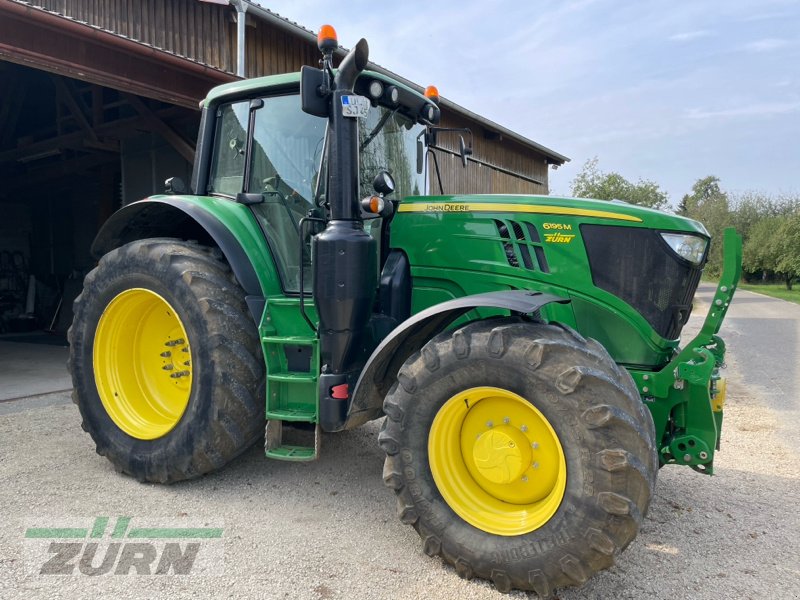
x=355 y=106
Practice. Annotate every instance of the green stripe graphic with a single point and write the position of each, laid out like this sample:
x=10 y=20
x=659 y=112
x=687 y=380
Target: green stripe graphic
x=122 y=525
x=99 y=527
x=177 y=532
x=55 y=532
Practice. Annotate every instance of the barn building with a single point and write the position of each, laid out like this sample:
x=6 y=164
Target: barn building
x=99 y=105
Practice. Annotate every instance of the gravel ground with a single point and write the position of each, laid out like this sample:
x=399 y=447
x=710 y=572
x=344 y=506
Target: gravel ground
x=328 y=529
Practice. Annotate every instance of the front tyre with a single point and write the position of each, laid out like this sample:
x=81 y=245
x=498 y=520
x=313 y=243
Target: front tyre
x=520 y=452
x=166 y=362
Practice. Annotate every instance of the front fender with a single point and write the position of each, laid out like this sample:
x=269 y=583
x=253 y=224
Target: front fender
x=411 y=335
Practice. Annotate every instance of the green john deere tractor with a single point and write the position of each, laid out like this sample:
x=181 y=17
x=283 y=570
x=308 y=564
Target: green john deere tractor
x=524 y=349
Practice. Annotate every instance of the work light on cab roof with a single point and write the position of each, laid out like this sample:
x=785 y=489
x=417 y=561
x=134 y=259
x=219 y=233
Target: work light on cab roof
x=327 y=40
x=432 y=93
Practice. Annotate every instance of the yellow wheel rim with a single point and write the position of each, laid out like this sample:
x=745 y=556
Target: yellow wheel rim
x=142 y=364
x=497 y=461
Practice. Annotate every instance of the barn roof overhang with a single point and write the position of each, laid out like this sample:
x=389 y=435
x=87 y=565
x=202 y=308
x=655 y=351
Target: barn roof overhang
x=44 y=39
x=51 y=42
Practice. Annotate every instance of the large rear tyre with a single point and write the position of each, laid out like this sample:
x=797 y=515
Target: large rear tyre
x=520 y=452
x=166 y=362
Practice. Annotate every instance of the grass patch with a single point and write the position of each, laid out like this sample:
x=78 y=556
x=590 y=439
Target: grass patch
x=774 y=290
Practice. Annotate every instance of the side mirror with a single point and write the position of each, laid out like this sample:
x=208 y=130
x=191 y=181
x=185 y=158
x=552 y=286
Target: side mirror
x=383 y=183
x=248 y=199
x=464 y=151
x=312 y=100
x=175 y=185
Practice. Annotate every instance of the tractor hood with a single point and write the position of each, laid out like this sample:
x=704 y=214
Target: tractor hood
x=630 y=272
x=613 y=212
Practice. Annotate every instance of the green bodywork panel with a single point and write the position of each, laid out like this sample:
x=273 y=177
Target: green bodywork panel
x=241 y=222
x=454 y=249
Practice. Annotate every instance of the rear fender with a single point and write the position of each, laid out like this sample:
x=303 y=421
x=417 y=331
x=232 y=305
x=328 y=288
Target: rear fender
x=411 y=335
x=179 y=217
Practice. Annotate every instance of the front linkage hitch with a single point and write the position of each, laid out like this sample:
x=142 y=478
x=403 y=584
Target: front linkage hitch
x=687 y=396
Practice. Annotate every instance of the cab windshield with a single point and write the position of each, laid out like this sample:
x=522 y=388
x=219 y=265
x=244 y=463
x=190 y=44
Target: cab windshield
x=285 y=163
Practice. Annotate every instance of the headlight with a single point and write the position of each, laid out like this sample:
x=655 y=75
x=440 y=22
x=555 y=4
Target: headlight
x=689 y=247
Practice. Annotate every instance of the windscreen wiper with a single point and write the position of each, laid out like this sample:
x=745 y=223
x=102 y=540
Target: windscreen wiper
x=377 y=129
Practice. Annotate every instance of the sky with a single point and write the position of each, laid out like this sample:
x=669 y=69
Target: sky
x=664 y=91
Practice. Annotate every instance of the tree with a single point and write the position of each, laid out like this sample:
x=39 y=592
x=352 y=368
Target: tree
x=789 y=249
x=760 y=252
x=748 y=209
x=708 y=203
x=593 y=183
x=774 y=245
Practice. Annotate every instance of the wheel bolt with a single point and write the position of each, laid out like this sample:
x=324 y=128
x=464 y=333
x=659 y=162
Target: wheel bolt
x=179 y=374
x=535 y=465
x=535 y=445
x=506 y=420
x=167 y=367
x=490 y=424
x=166 y=354
x=687 y=457
x=524 y=428
x=524 y=478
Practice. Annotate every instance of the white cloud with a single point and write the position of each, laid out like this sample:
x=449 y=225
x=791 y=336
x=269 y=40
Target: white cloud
x=687 y=36
x=762 y=109
x=767 y=45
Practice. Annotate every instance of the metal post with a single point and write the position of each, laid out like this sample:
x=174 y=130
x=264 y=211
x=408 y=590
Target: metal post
x=241 y=23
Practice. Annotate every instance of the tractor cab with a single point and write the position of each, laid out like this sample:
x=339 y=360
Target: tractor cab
x=271 y=155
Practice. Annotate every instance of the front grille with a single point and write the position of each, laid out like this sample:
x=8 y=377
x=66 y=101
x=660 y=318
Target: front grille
x=639 y=267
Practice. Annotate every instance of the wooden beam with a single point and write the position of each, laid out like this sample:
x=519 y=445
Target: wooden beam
x=97 y=105
x=118 y=128
x=47 y=41
x=184 y=148
x=60 y=169
x=65 y=95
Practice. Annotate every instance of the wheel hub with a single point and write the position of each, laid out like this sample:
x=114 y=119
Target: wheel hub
x=502 y=454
